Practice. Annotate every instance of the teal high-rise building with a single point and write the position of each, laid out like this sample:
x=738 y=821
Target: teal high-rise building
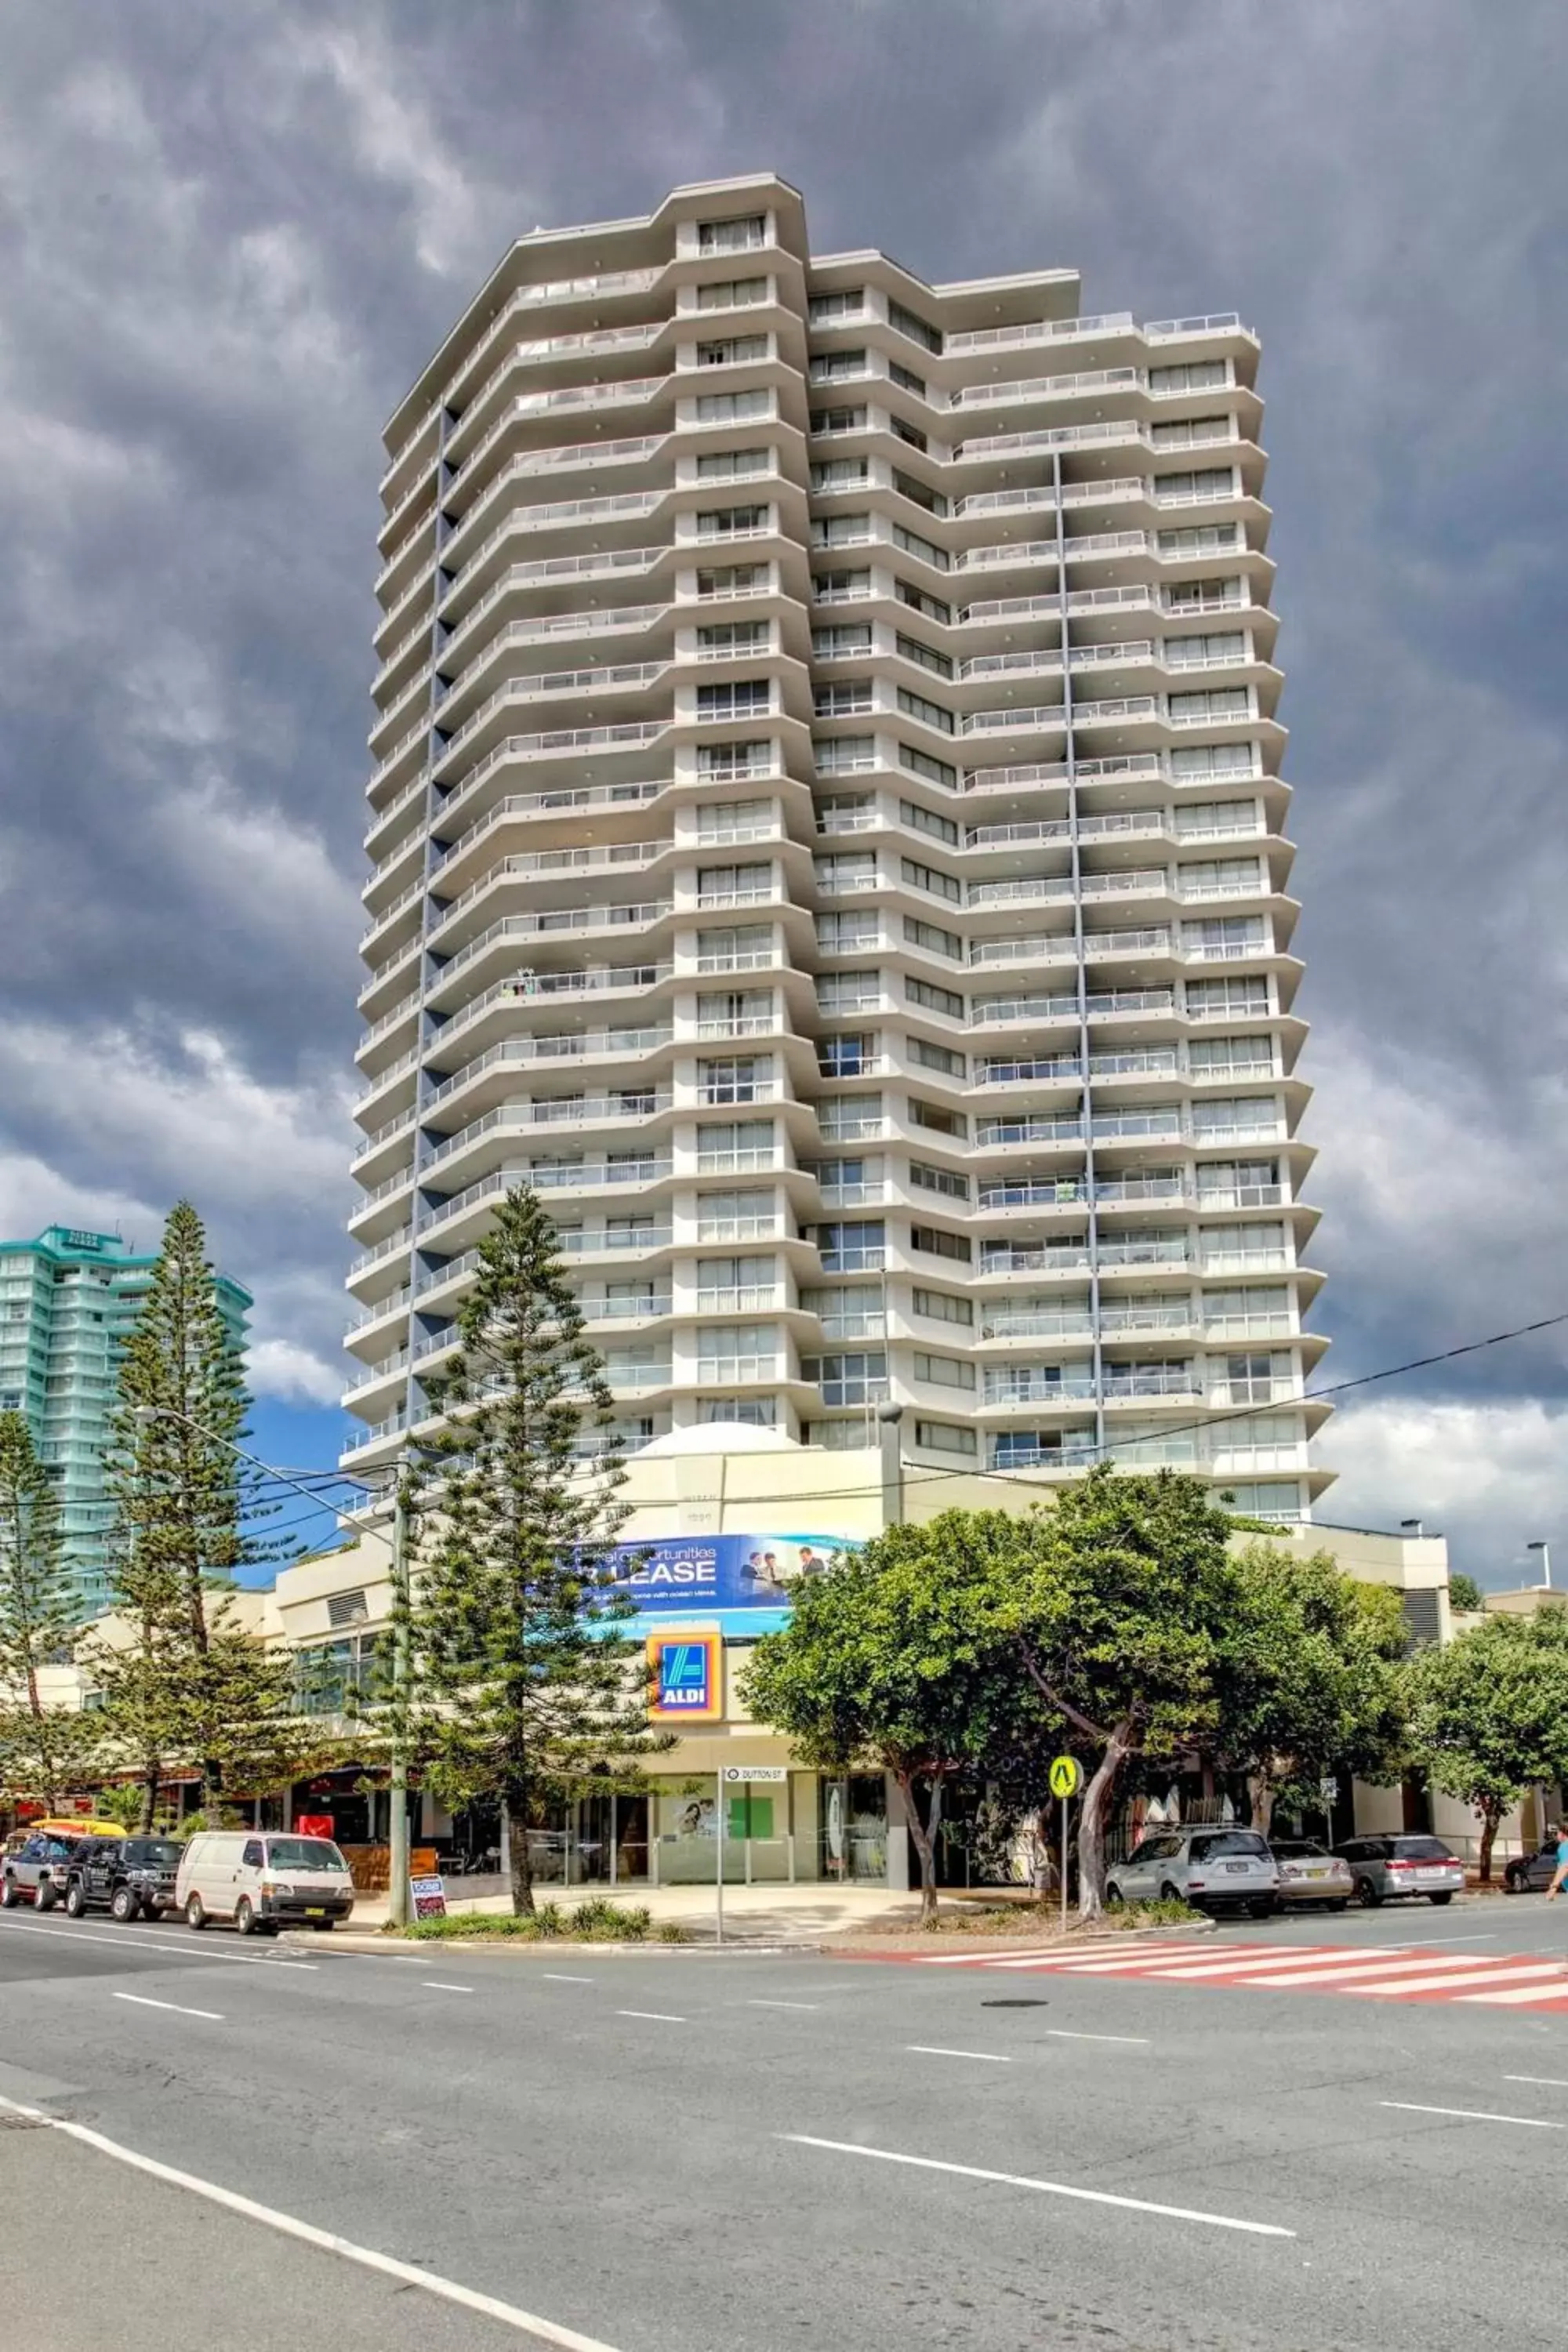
x=67 y=1301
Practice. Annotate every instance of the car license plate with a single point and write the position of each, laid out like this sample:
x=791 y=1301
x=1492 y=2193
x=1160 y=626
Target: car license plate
x=1431 y=1877
x=315 y=1911
x=1240 y=1867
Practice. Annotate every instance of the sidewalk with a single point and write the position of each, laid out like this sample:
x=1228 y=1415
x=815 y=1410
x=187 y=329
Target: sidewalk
x=779 y=1914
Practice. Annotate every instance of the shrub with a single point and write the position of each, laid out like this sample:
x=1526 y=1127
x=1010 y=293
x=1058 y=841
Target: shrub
x=593 y=1922
x=672 y=1931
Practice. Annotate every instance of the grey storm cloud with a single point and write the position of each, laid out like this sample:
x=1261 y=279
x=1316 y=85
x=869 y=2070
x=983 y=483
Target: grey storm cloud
x=231 y=232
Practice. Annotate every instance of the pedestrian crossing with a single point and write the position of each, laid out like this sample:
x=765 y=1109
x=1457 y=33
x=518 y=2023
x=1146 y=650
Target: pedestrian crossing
x=1387 y=1972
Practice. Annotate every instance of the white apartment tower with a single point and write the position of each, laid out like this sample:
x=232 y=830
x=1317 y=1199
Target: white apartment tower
x=827 y=836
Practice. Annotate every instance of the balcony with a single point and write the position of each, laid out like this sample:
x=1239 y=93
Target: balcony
x=559 y=922
x=1047 y=1193
x=1026 y=1384
x=1038 y=332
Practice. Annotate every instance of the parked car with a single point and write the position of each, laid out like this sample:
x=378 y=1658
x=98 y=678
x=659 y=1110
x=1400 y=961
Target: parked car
x=1205 y=1865
x=1386 y=1869
x=124 y=1875
x=1309 y=1873
x=263 y=1880
x=1532 y=1872
x=35 y=1870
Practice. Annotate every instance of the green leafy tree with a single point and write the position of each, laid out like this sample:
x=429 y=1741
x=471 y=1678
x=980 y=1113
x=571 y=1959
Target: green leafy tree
x=1490 y=1715
x=192 y=1682
x=1114 y=1600
x=41 y=1747
x=1308 y=1676
x=899 y=1656
x=523 y=1679
x=1464 y=1592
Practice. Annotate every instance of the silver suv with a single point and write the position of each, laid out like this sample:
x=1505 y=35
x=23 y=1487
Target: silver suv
x=36 y=1871
x=1206 y=1866
x=1388 y=1869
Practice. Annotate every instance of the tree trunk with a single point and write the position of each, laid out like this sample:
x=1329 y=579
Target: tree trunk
x=1092 y=1822
x=519 y=1854
x=924 y=1835
x=1260 y=1793
x=1491 y=1819
x=150 y=1781
x=54 y=1795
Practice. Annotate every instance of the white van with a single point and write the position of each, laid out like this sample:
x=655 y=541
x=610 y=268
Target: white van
x=263 y=1880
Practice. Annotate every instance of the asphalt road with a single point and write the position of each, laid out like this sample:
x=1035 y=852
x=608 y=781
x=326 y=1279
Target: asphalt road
x=683 y=2151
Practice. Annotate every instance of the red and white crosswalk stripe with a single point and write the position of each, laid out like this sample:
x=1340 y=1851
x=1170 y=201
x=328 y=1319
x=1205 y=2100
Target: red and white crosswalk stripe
x=1388 y=1972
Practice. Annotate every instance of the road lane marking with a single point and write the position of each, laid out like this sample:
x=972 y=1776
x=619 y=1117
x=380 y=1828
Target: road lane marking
x=434 y=1984
x=1495 y=1973
x=1547 y=2082
x=1180 y=1971
x=781 y=2004
x=1517 y=1995
x=654 y=2016
x=145 y=2000
x=565 y=2339
x=1149 y=1961
x=1471 y=2114
x=1348 y=1970
x=553 y=1976
x=1043 y=2188
x=1060 y=2033
x=935 y=2050
x=135 y=1943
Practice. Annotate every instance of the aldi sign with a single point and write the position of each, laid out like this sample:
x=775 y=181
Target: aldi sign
x=685 y=1675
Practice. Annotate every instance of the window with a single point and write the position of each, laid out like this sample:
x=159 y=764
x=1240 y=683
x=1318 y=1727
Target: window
x=936 y=1058
x=733 y=465
x=908 y=322
x=735 y=638
x=929 y=877
x=938 y=1180
x=922 y=763
x=847 y=304
x=928 y=552
x=851 y=1248
x=1193 y=762
x=729 y=408
x=1228 y=878
x=734 y=580
x=1217 y=702
x=934 y=999
x=1221 y=936
x=745 y=1078
x=742 y=1144
x=841 y=531
x=732 y=294
x=943 y=1307
x=740 y=234
x=926 y=656
x=932 y=713
x=849 y=992
x=945 y=1437
x=733 y=522
x=1200 y=375
x=1193 y=433
x=1209 y=482
x=1208 y=538
x=840 y=587
x=841 y=474
x=845 y=637
x=860 y=1378
x=752 y=1411
x=911 y=434
x=839 y=420
x=1218 y=816
x=735 y=1216
x=847 y=1056
x=851 y=870
x=1222 y=1056
x=735 y=351
x=919 y=602
x=844 y=753
x=735 y=1013
x=846 y=812
x=849 y=697
x=837 y=367
x=943 y=1123
x=934 y=1243
x=742 y=947
x=729 y=886
x=943 y=1371
x=1251 y=1378
x=1204 y=652
x=906 y=379
x=737 y=1352
x=754 y=758
x=909 y=486
x=849 y=934
x=920 y=820
x=934 y=939
x=1219 y=999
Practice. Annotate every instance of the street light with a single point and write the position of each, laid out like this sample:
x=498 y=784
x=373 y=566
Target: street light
x=1545 y=1552
x=145 y=1415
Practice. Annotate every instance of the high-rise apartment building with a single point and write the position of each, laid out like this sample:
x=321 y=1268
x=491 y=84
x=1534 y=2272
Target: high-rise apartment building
x=827 y=836
x=67 y=1301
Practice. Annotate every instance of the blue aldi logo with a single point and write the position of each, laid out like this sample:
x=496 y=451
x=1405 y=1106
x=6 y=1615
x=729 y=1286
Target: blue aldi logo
x=683 y=1678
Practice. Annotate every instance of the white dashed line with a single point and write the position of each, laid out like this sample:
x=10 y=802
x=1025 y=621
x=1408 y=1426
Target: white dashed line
x=1060 y=2033
x=551 y=1976
x=1546 y=2081
x=935 y=2050
x=654 y=2016
x=434 y=1984
x=145 y=2000
x=781 y=2004
x=1043 y=2188
x=130 y=1941
x=1472 y=2115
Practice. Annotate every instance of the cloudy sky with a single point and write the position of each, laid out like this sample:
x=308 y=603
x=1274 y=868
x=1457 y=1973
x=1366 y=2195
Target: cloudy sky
x=232 y=230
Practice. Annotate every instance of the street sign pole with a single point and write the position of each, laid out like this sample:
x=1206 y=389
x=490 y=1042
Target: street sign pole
x=1065 y=1777
x=719 y=1880
x=1067 y=1807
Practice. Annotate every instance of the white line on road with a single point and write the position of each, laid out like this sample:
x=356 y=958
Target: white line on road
x=781 y=2004
x=565 y=2339
x=1547 y=2082
x=935 y=2050
x=1516 y=1996
x=143 y=2000
x=553 y=1976
x=1494 y=1973
x=434 y=1984
x=130 y=1941
x=1043 y=2188
x=654 y=2016
x=1060 y=2033
x=1471 y=2114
